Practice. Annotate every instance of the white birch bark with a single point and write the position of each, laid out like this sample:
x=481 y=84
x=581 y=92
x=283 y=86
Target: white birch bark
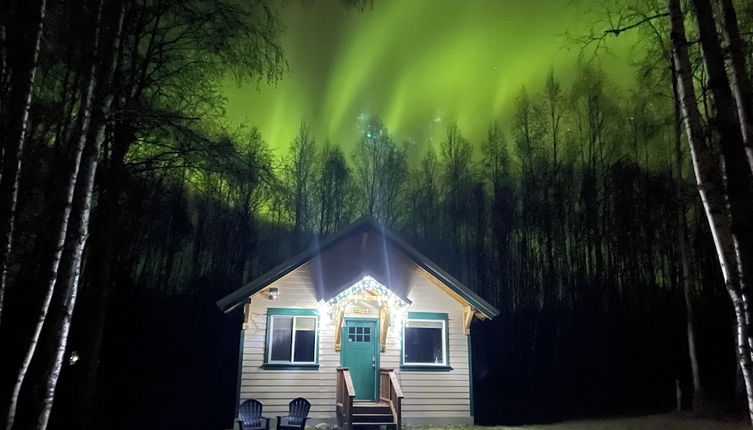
x=70 y=273
x=66 y=289
x=13 y=141
x=737 y=172
x=66 y=196
x=709 y=179
x=742 y=88
x=687 y=283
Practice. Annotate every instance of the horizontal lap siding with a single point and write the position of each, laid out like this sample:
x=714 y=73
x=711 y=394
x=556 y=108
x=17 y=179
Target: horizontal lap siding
x=427 y=394
x=438 y=394
x=276 y=388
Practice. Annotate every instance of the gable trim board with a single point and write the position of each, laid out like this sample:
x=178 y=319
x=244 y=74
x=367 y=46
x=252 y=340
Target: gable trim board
x=239 y=296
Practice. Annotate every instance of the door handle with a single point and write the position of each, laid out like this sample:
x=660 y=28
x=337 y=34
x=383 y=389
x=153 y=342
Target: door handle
x=373 y=361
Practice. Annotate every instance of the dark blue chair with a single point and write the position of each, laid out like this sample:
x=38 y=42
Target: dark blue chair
x=249 y=416
x=298 y=411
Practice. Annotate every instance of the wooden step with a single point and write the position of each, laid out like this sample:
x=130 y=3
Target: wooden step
x=373 y=418
x=371 y=408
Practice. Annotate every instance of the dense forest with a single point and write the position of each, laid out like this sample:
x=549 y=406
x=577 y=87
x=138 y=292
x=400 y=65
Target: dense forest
x=129 y=207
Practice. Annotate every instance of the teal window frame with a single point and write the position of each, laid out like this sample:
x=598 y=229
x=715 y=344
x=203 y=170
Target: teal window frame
x=290 y=365
x=427 y=367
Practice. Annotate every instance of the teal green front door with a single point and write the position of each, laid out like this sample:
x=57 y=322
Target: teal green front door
x=360 y=354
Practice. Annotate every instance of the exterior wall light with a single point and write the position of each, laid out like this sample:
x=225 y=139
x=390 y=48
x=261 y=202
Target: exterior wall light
x=273 y=293
x=73 y=359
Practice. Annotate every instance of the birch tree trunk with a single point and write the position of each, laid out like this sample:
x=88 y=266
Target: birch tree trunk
x=102 y=261
x=21 y=81
x=737 y=172
x=70 y=274
x=64 y=200
x=741 y=84
x=725 y=118
x=699 y=397
x=709 y=179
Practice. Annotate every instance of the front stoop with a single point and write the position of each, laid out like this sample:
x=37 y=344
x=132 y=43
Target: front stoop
x=373 y=416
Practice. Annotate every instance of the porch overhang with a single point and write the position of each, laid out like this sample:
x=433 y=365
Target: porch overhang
x=367 y=289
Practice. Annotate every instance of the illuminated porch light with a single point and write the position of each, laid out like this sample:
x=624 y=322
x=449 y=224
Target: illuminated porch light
x=73 y=358
x=273 y=293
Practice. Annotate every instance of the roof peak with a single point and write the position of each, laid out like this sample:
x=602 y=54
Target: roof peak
x=237 y=297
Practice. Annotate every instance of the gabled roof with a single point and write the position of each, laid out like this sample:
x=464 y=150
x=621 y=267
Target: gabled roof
x=364 y=225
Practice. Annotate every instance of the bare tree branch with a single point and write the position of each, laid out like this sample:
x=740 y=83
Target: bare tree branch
x=617 y=31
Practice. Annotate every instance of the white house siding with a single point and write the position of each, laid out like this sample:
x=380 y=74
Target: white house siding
x=276 y=388
x=430 y=397
x=438 y=397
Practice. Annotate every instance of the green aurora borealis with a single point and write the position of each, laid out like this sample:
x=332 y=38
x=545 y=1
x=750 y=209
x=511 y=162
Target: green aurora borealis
x=418 y=64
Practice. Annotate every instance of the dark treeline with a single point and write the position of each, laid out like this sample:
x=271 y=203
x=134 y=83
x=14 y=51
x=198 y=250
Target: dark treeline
x=567 y=221
x=577 y=217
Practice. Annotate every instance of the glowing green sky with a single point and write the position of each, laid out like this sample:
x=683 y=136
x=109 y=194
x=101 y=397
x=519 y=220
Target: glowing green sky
x=419 y=64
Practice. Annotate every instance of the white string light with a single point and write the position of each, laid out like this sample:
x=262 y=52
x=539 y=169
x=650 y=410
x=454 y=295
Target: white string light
x=368 y=289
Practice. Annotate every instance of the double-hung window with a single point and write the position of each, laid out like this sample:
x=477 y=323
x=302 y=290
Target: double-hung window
x=292 y=338
x=425 y=341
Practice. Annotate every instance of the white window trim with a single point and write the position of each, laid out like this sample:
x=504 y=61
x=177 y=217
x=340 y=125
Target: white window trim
x=292 y=335
x=444 y=343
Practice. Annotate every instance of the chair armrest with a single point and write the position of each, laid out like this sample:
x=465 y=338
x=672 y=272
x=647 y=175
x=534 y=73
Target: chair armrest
x=303 y=423
x=240 y=424
x=266 y=420
x=278 y=421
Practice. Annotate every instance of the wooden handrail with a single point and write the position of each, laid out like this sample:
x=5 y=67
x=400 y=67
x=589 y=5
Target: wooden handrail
x=346 y=393
x=391 y=392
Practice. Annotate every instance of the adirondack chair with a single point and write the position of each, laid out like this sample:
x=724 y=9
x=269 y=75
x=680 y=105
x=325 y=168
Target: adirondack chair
x=249 y=416
x=298 y=411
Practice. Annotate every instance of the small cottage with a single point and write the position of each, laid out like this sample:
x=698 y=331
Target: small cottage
x=365 y=328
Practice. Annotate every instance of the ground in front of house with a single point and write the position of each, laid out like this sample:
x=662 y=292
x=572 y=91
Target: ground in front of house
x=653 y=422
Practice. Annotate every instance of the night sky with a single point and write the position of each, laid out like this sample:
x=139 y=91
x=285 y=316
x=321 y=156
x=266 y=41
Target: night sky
x=419 y=65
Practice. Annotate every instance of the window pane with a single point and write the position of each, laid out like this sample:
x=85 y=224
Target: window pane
x=282 y=330
x=305 y=323
x=423 y=342
x=424 y=323
x=305 y=339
